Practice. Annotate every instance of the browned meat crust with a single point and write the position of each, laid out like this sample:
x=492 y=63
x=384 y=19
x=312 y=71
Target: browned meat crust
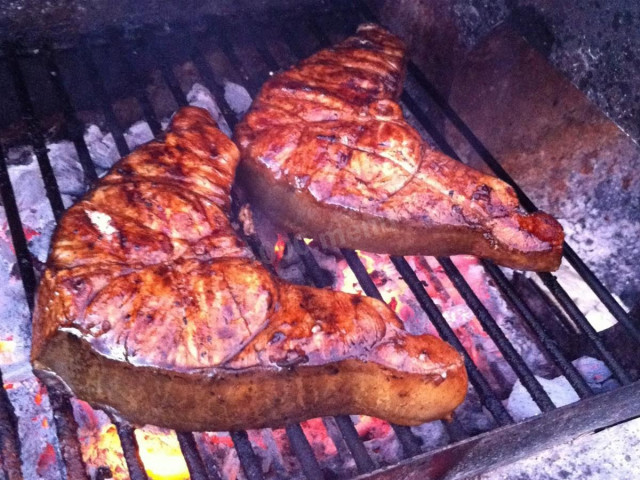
x=327 y=153
x=152 y=305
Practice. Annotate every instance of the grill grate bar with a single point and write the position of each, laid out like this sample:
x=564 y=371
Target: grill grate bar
x=248 y=458
x=362 y=458
x=213 y=83
x=550 y=346
x=9 y=440
x=576 y=262
x=128 y=61
x=130 y=449
x=480 y=384
x=601 y=292
x=219 y=28
x=166 y=71
x=497 y=335
x=103 y=98
x=35 y=135
x=583 y=270
x=304 y=453
x=66 y=429
x=189 y=448
x=578 y=317
x=66 y=426
x=73 y=126
x=568 y=305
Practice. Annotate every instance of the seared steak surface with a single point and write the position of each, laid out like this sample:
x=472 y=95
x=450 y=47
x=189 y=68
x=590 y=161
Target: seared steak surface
x=152 y=305
x=327 y=153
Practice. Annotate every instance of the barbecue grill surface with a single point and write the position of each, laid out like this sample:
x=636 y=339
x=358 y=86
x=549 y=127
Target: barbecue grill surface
x=123 y=76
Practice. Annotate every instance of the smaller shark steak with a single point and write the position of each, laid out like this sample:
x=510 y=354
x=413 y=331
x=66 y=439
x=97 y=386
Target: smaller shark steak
x=327 y=153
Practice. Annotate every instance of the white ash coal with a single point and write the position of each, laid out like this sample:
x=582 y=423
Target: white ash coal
x=237 y=98
x=67 y=170
x=520 y=404
x=597 y=375
x=15 y=328
x=200 y=96
x=596 y=313
x=606 y=455
x=102 y=147
x=33 y=205
x=39 y=452
x=138 y=134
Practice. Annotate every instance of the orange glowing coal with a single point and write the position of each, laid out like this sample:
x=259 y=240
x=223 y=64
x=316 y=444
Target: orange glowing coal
x=161 y=455
x=102 y=448
x=278 y=250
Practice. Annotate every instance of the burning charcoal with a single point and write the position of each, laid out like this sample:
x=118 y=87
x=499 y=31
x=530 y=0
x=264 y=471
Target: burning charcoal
x=99 y=443
x=102 y=147
x=237 y=97
x=329 y=447
x=596 y=373
x=200 y=96
x=217 y=452
x=160 y=453
x=15 y=334
x=30 y=193
x=67 y=169
x=379 y=439
x=520 y=404
x=137 y=134
x=433 y=434
x=587 y=301
x=40 y=453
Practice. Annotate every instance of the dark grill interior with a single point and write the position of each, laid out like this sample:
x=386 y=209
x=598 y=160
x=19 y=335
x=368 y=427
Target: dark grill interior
x=59 y=82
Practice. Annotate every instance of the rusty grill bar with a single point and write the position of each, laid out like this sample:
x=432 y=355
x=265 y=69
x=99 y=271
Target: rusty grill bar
x=302 y=34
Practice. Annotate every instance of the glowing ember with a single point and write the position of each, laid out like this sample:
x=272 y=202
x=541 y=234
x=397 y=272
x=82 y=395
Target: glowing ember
x=278 y=250
x=161 y=455
x=7 y=347
x=368 y=260
x=99 y=442
x=217 y=449
x=46 y=460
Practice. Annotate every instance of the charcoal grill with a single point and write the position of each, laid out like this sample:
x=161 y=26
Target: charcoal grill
x=118 y=65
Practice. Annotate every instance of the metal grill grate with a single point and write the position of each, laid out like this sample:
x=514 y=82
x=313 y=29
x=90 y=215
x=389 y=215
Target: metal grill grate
x=145 y=50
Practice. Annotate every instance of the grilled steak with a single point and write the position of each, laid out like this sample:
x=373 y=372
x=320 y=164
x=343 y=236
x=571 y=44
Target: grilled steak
x=326 y=152
x=152 y=305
